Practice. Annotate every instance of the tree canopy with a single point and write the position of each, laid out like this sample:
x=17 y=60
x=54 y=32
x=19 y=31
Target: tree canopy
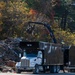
x=14 y=16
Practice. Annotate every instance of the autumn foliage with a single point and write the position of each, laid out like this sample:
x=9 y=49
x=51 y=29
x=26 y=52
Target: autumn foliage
x=33 y=12
x=14 y=16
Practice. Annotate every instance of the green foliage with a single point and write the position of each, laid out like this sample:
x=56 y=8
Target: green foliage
x=14 y=16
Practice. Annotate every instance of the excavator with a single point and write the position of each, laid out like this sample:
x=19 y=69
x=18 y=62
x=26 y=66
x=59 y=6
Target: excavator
x=31 y=28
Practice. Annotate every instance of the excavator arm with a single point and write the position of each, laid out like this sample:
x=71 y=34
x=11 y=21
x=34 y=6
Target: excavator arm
x=31 y=28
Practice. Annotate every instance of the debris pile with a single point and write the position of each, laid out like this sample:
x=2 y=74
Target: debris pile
x=9 y=53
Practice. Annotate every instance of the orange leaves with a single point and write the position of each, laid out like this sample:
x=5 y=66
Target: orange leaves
x=33 y=12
